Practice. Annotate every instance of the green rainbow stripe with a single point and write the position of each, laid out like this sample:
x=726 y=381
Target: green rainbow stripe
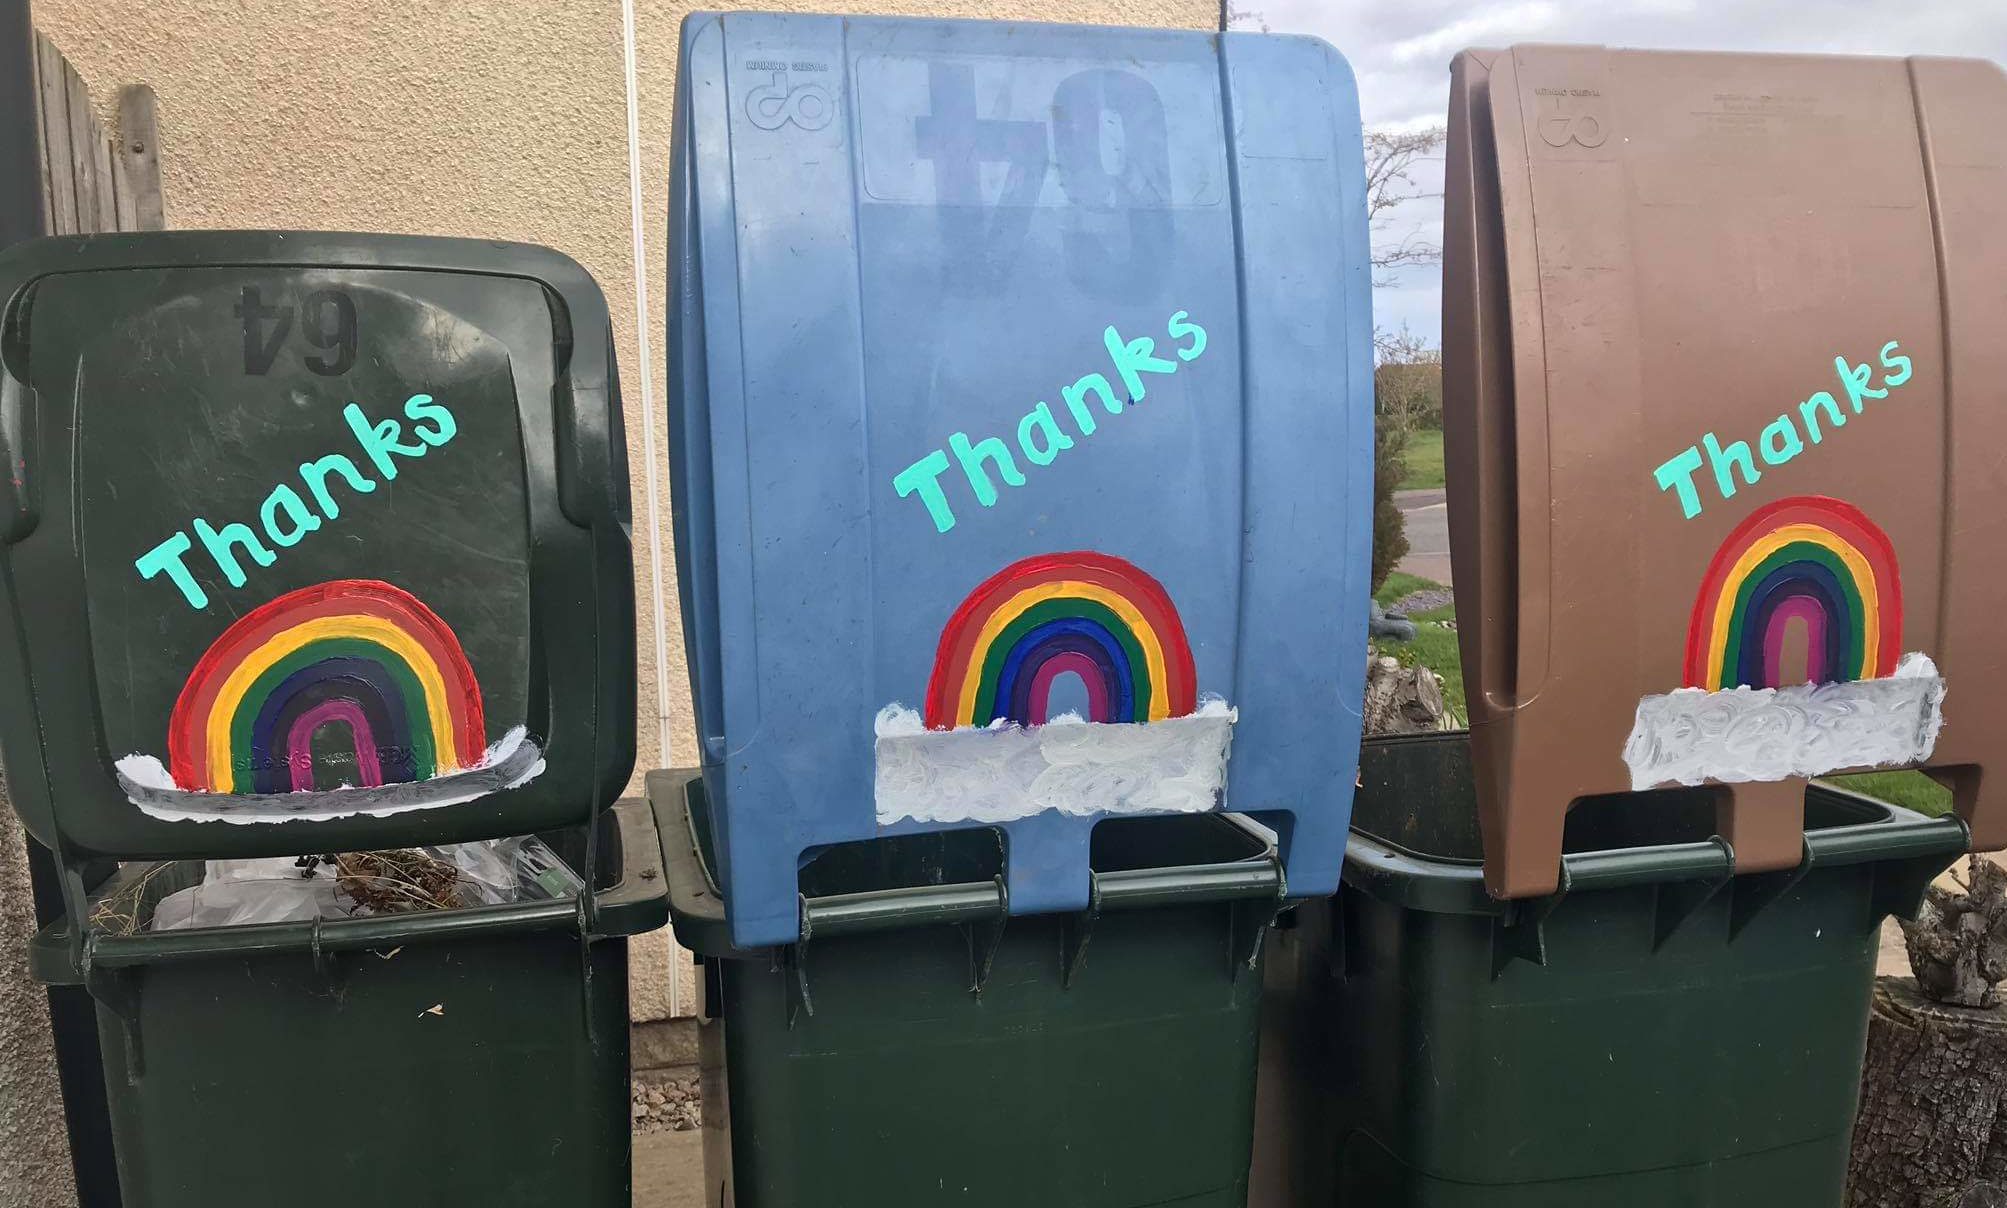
x=424 y=755
x=1060 y=609
x=1799 y=551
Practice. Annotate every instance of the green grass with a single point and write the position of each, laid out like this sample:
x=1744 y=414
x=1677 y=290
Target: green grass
x=1422 y=460
x=1911 y=790
x=1434 y=646
x=1399 y=586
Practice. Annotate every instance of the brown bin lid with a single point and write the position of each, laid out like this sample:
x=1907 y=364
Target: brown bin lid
x=1724 y=347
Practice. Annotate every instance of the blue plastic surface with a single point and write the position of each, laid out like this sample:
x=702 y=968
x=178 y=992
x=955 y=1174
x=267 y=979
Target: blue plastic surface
x=887 y=233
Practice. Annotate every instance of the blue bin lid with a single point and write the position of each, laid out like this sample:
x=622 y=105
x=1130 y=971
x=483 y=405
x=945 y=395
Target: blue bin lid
x=1019 y=373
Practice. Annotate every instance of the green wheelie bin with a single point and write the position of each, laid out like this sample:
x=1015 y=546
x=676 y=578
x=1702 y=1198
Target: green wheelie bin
x=920 y=1046
x=1657 y=1032
x=456 y=1057
x=314 y=555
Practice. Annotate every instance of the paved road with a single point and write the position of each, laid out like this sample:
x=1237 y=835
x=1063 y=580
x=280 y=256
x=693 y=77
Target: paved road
x=1428 y=534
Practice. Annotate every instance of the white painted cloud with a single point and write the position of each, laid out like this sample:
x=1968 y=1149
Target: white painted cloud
x=1754 y=734
x=1067 y=766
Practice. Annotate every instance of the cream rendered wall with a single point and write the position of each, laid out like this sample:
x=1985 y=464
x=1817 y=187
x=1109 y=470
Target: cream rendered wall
x=502 y=119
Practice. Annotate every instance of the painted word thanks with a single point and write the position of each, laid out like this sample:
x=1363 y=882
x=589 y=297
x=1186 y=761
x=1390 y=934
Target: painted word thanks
x=284 y=518
x=1780 y=441
x=1040 y=435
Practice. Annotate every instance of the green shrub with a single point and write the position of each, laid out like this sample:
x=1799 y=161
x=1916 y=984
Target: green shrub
x=1390 y=536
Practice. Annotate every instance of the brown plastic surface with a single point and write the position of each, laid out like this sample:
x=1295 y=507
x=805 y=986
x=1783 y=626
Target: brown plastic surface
x=1646 y=247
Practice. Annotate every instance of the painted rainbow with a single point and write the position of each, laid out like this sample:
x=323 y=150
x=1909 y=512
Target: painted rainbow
x=1805 y=590
x=1093 y=615
x=362 y=656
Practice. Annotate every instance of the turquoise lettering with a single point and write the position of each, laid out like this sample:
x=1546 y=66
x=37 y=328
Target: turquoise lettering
x=1040 y=420
x=420 y=408
x=1677 y=475
x=303 y=521
x=1808 y=411
x=1724 y=462
x=284 y=517
x=167 y=557
x=1040 y=436
x=1780 y=442
x=380 y=440
x=1179 y=329
x=220 y=543
x=1892 y=363
x=1075 y=398
x=972 y=457
x=316 y=475
x=1134 y=359
x=1854 y=379
x=924 y=476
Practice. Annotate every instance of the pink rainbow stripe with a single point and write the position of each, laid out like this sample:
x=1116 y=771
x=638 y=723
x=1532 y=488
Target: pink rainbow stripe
x=1803 y=608
x=300 y=743
x=1080 y=665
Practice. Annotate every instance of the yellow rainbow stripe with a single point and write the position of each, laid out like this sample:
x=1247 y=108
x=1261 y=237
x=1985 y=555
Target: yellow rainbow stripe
x=1770 y=543
x=1146 y=636
x=216 y=728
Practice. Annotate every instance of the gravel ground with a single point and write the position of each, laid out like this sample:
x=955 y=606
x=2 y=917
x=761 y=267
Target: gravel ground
x=1422 y=601
x=667 y=1104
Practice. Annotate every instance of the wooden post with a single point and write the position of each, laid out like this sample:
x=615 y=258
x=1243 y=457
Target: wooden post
x=57 y=163
x=88 y=183
x=139 y=159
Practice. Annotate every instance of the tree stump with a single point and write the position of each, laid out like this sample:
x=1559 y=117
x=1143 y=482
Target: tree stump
x=1402 y=700
x=1931 y=1131
x=1958 y=942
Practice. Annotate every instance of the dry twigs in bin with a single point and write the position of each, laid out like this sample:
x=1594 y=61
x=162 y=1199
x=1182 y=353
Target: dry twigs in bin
x=121 y=913
x=397 y=882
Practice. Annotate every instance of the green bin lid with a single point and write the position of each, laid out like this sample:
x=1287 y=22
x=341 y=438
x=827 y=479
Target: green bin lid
x=308 y=542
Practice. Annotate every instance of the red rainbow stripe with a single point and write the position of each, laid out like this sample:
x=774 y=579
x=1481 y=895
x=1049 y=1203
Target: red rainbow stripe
x=1811 y=560
x=1020 y=628
x=360 y=641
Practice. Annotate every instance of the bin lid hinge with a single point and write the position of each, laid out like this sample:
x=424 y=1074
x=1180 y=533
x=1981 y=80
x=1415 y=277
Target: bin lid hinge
x=1755 y=891
x=1520 y=933
x=1248 y=921
x=984 y=937
x=791 y=962
x=1900 y=884
x=117 y=991
x=1074 y=932
x=1677 y=901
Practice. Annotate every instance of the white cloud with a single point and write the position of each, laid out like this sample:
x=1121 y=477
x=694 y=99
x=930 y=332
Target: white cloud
x=1438 y=44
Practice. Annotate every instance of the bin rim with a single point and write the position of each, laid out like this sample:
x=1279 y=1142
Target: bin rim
x=638 y=902
x=697 y=907
x=1455 y=885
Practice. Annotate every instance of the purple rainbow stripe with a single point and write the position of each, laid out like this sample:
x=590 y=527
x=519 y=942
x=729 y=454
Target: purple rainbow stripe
x=1090 y=674
x=1813 y=613
x=300 y=743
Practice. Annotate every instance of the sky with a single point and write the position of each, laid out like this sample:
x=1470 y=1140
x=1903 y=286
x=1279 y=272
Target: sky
x=1401 y=54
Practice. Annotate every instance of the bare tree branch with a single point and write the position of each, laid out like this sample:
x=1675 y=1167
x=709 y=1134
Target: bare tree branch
x=1391 y=157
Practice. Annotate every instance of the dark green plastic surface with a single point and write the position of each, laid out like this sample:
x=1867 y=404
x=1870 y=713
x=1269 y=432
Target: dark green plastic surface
x=140 y=396
x=1659 y=1033
x=859 y=1067
x=460 y=1059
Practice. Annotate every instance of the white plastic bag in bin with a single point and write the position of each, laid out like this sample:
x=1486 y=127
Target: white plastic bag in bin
x=235 y=893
